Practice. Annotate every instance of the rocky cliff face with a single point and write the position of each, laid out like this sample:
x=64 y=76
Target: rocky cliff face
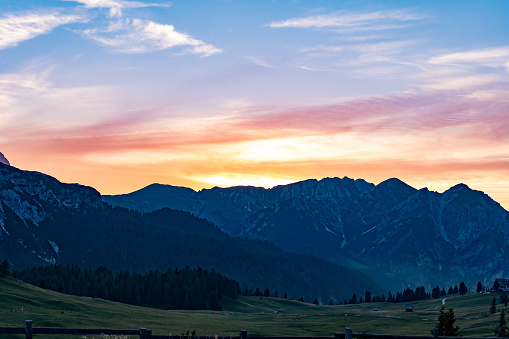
x=27 y=201
x=413 y=236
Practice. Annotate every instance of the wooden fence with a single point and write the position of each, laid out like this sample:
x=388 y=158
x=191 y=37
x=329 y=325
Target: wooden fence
x=143 y=333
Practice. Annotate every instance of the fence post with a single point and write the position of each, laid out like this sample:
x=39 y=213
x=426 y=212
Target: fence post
x=348 y=333
x=243 y=334
x=143 y=333
x=435 y=333
x=28 y=329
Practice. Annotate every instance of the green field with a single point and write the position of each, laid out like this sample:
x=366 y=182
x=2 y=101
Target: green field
x=254 y=314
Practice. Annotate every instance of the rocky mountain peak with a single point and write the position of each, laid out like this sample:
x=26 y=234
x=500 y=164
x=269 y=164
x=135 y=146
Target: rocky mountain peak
x=4 y=160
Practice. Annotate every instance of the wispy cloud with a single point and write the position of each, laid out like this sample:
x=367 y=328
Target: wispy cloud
x=364 y=21
x=259 y=62
x=463 y=82
x=490 y=56
x=141 y=36
x=377 y=48
x=377 y=38
x=466 y=70
x=116 y=6
x=17 y=28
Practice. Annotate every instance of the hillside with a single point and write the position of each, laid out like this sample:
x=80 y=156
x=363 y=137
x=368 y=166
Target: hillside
x=254 y=314
x=44 y=221
x=399 y=235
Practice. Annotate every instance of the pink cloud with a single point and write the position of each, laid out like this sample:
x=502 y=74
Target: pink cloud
x=449 y=115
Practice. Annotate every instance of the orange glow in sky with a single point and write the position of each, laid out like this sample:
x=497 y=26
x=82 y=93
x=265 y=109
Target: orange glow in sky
x=118 y=95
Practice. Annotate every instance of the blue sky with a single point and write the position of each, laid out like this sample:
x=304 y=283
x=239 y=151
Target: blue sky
x=204 y=93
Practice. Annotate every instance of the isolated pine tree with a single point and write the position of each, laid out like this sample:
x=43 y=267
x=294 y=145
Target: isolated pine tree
x=479 y=287
x=463 y=289
x=493 y=307
x=501 y=330
x=445 y=323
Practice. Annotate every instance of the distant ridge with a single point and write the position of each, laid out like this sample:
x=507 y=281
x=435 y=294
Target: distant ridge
x=393 y=231
x=44 y=221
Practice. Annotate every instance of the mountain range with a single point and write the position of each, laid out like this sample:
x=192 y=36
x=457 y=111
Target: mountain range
x=44 y=221
x=399 y=235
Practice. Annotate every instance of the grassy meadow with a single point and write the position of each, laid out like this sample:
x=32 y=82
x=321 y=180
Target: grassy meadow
x=254 y=314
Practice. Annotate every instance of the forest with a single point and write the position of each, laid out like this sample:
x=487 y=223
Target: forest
x=184 y=289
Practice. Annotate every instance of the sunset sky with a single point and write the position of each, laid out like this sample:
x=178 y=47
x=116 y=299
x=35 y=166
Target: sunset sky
x=119 y=94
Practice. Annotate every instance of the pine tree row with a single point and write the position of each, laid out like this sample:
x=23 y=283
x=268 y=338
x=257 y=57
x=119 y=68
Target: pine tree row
x=188 y=289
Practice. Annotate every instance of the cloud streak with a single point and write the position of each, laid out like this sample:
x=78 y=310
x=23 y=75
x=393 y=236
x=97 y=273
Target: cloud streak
x=489 y=56
x=352 y=21
x=17 y=28
x=116 y=6
x=142 y=36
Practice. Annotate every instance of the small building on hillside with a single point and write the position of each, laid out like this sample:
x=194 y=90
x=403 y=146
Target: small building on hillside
x=503 y=285
x=409 y=308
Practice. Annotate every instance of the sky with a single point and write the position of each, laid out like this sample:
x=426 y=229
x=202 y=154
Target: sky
x=119 y=94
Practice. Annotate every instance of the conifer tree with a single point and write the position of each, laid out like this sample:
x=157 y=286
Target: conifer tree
x=367 y=297
x=479 y=287
x=354 y=299
x=493 y=307
x=501 y=330
x=4 y=268
x=445 y=323
x=463 y=288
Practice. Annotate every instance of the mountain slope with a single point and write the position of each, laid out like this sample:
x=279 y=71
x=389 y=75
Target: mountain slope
x=45 y=221
x=392 y=230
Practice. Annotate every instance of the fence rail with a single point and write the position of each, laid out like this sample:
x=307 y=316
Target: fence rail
x=143 y=333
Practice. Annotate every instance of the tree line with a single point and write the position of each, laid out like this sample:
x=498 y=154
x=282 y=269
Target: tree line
x=406 y=295
x=186 y=289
